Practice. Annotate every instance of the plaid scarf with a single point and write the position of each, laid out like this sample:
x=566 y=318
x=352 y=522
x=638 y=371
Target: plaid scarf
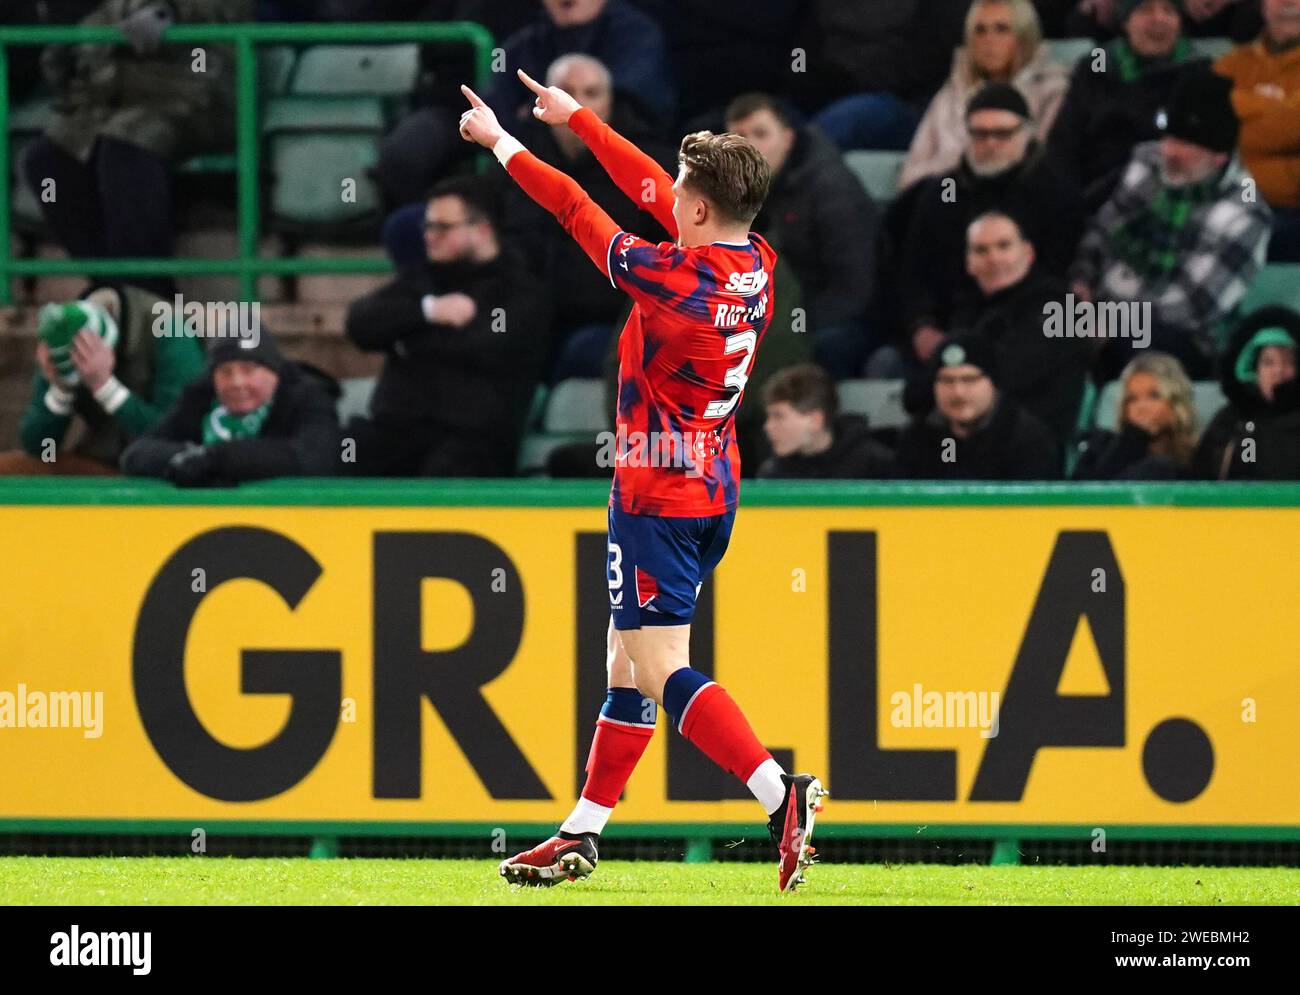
x=222 y=426
x=1151 y=242
x=1132 y=67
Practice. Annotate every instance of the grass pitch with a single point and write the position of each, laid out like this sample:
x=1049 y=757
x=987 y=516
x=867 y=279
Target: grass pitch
x=255 y=881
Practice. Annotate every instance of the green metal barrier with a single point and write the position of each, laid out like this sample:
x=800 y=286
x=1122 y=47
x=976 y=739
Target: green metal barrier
x=244 y=37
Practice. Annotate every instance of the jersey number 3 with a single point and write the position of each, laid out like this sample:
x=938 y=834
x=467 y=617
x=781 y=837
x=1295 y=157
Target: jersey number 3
x=738 y=375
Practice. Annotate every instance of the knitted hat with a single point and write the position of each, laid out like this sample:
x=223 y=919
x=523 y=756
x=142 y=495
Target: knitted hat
x=998 y=97
x=58 y=324
x=1248 y=358
x=1125 y=8
x=261 y=349
x=1200 y=111
x=965 y=350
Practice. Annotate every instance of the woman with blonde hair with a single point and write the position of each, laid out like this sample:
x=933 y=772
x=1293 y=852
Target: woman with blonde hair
x=1004 y=44
x=1157 y=426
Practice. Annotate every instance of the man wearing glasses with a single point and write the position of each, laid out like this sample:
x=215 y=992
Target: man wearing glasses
x=464 y=333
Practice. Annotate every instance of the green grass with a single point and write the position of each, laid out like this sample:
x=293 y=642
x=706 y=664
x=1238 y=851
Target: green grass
x=248 y=881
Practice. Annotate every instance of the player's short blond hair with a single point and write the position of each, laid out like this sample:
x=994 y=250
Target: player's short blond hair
x=728 y=171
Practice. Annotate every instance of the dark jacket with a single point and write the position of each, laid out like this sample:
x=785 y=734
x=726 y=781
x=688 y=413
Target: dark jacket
x=627 y=41
x=853 y=455
x=478 y=379
x=932 y=268
x=1012 y=445
x=1125 y=455
x=903 y=47
x=1103 y=119
x=1045 y=375
x=823 y=225
x=299 y=438
x=1274 y=427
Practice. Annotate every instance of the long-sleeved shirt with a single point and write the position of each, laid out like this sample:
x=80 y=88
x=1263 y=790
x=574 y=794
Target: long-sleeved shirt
x=688 y=347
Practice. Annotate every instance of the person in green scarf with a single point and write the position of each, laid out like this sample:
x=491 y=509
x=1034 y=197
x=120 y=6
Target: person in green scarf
x=251 y=416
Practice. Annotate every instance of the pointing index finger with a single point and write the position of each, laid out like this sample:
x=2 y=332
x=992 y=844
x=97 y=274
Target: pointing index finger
x=531 y=83
x=471 y=96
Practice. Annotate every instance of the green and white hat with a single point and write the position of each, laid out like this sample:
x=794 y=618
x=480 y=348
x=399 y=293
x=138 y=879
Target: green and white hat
x=58 y=324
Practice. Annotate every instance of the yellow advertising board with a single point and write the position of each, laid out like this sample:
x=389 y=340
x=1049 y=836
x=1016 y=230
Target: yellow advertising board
x=1033 y=665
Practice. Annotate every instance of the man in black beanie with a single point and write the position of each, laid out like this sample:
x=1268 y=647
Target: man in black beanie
x=974 y=431
x=1183 y=237
x=252 y=415
x=1003 y=169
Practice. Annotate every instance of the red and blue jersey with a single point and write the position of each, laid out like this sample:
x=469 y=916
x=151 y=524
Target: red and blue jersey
x=688 y=347
x=684 y=356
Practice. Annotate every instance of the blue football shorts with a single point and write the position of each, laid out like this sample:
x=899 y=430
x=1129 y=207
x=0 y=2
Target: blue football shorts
x=656 y=565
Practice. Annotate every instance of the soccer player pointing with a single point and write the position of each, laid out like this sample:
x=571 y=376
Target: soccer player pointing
x=702 y=306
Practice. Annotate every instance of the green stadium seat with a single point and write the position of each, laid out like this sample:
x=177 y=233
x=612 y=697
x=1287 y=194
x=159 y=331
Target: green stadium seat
x=372 y=70
x=577 y=406
x=309 y=171
x=879 y=401
x=1068 y=51
x=324 y=114
x=877 y=172
x=355 y=397
x=1277 y=283
x=1207 y=398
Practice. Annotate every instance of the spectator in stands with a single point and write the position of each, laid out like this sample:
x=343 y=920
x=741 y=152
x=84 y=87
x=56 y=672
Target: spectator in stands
x=614 y=31
x=880 y=63
x=974 y=432
x=822 y=223
x=1256 y=435
x=810 y=439
x=591 y=305
x=1236 y=19
x=1003 y=169
x=1045 y=375
x=1114 y=98
x=105 y=375
x=252 y=416
x=124 y=116
x=1180 y=233
x=752 y=40
x=1004 y=44
x=1266 y=95
x=1157 y=426
x=424 y=145
x=464 y=334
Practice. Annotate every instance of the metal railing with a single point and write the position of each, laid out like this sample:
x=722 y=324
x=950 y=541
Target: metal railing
x=247 y=264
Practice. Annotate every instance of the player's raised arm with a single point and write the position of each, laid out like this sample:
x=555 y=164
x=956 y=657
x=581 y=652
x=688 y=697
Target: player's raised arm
x=626 y=164
x=581 y=216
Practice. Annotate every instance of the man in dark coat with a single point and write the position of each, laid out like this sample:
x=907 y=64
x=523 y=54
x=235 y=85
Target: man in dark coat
x=464 y=334
x=823 y=225
x=974 y=432
x=1009 y=309
x=253 y=415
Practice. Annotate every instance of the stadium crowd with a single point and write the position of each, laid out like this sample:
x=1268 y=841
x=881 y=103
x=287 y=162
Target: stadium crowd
x=1055 y=228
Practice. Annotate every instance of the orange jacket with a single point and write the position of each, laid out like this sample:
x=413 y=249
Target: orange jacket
x=1266 y=96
